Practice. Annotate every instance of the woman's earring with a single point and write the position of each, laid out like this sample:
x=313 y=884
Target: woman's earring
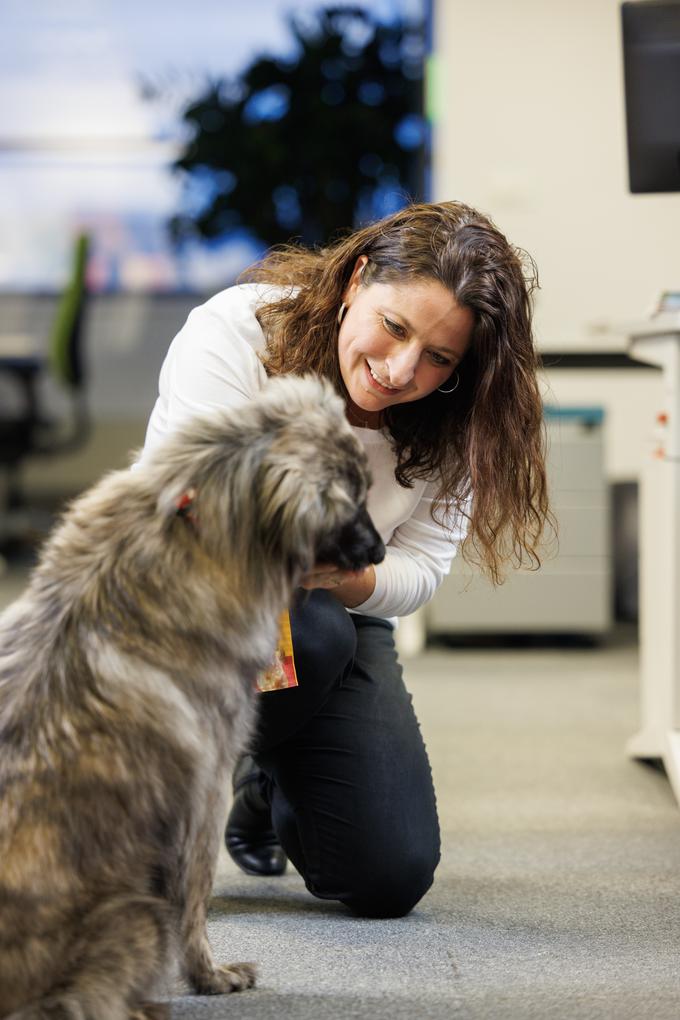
x=341 y=313
x=440 y=390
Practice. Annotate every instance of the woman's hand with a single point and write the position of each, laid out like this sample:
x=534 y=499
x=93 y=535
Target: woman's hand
x=351 y=587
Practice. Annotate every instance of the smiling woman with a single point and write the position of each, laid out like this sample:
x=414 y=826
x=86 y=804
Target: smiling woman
x=422 y=323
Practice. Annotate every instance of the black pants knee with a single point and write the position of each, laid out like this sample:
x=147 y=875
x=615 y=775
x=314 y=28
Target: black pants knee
x=349 y=781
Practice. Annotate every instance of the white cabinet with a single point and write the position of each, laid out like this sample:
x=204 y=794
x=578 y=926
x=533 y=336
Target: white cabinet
x=572 y=591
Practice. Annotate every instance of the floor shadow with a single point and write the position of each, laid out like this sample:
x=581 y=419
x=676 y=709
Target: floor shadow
x=289 y=904
x=620 y=635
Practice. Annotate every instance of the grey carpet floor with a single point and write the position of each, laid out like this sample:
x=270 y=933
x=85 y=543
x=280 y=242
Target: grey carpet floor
x=558 y=893
x=559 y=887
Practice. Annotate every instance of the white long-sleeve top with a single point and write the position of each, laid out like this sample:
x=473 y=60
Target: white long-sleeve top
x=213 y=362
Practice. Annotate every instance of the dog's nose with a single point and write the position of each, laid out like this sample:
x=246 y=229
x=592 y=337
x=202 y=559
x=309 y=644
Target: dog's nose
x=355 y=546
x=378 y=551
x=376 y=546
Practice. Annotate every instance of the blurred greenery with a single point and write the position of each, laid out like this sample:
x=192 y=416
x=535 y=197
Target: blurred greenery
x=304 y=147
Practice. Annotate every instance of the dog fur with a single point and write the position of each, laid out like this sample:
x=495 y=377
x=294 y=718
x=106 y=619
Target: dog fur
x=127 y=674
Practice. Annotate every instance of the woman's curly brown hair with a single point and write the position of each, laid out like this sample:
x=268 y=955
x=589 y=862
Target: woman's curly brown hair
x=485 y=442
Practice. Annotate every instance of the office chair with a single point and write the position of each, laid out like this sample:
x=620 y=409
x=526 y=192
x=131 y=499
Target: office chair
x=28 y=431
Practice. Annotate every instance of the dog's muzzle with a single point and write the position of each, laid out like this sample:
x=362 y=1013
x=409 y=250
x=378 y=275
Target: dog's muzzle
x=355 y=546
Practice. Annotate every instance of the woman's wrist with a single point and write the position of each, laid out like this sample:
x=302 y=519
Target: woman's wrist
x=356 y=589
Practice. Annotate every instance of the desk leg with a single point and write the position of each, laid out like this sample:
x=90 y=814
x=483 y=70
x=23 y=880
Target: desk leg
x=659 y=734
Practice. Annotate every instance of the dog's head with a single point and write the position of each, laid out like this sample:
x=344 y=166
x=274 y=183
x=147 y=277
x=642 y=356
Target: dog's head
x=280 y=482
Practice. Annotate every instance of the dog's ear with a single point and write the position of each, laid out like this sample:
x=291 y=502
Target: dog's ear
x=202 y=457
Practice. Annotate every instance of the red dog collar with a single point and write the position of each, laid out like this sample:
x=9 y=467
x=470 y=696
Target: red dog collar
x=185 y=504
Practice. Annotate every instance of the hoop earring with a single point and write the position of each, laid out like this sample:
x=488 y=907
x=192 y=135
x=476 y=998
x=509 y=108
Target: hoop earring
x=341 y=313
x=440 y=390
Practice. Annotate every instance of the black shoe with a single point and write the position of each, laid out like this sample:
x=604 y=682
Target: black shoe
x=250 y=839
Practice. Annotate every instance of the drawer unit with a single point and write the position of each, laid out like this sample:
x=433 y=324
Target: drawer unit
x=572 y=591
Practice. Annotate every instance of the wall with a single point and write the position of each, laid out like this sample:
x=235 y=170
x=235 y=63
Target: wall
x=531 y=130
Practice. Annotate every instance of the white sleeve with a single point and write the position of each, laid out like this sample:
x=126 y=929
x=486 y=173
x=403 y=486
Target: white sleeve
x=418 y=558
x=210 y=364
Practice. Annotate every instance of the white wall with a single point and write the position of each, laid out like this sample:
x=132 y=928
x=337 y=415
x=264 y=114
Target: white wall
x=531 y=130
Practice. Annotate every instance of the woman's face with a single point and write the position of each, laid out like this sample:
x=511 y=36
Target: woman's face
x=398 y=342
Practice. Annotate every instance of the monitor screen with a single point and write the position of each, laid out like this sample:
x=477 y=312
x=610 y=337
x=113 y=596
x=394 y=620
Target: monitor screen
x=651 y=62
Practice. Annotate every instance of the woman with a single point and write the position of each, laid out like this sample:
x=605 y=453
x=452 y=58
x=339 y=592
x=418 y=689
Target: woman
x=422 y=321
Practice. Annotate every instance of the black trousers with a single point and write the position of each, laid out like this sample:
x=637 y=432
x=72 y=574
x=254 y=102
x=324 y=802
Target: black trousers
x=345 y=766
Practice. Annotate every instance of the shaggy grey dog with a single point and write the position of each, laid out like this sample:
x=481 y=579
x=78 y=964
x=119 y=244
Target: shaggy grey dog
x=127 y=690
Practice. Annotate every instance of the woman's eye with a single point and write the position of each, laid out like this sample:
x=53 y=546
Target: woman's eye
x=394 y=328
x=439 y=359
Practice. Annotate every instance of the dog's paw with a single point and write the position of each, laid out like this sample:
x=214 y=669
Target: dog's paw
x=230 y=977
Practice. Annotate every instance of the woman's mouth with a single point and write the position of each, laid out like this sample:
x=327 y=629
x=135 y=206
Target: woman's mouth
x=377 y=384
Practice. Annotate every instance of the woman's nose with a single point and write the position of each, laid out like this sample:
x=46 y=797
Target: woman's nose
x=401 y=365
